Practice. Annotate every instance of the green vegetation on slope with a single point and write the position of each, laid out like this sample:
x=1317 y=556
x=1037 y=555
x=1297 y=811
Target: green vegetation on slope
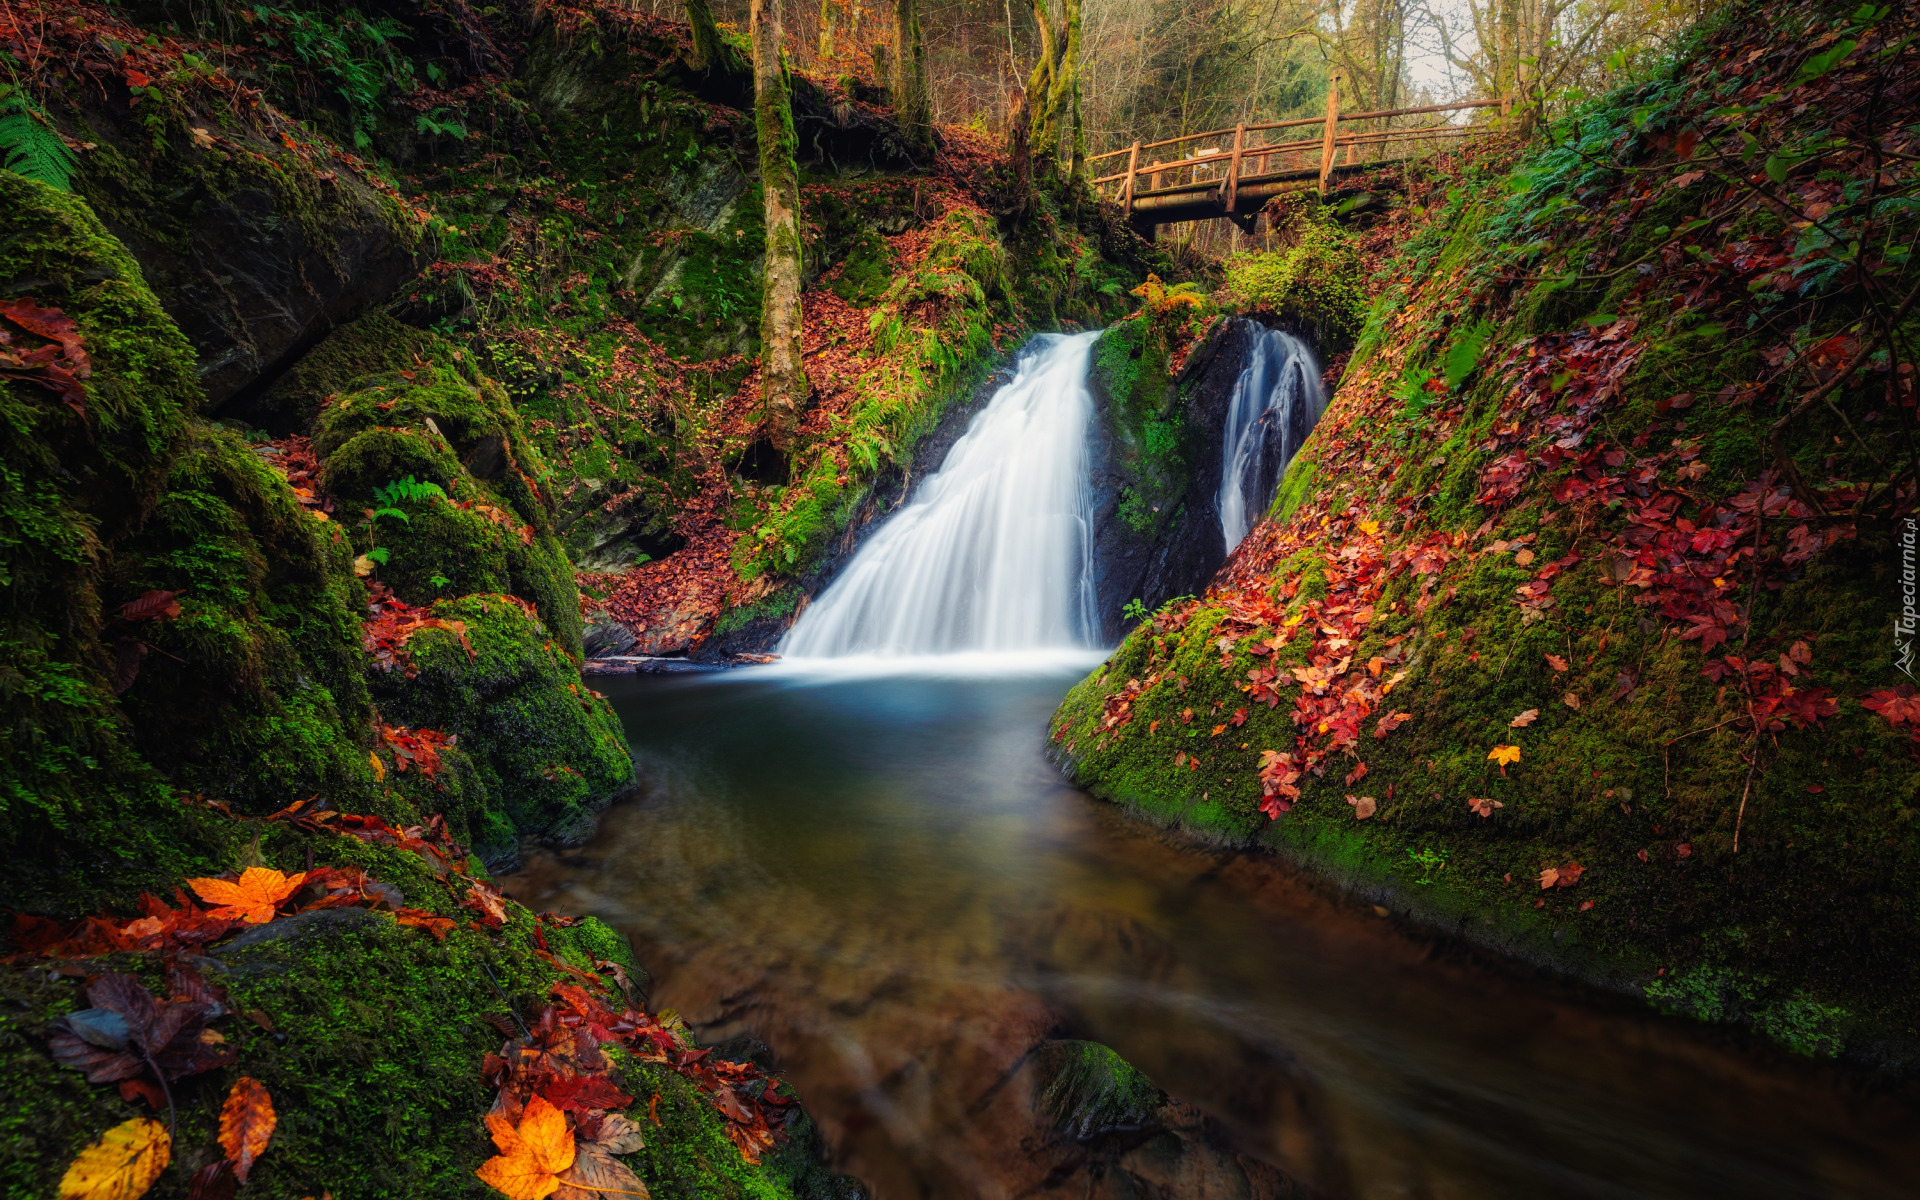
x=1542 y=513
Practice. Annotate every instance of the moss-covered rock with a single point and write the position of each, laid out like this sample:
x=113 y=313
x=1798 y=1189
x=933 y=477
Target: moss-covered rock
x=1086 y=1089
x=549 y=751
x=370 y=1038
x=1544 y=515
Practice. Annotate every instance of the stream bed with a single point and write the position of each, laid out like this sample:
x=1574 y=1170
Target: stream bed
x=880 y=876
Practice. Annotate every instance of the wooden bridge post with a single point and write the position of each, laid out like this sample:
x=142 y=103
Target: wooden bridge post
x=1133 y=169
x=1232 y=191
x=1333 y=119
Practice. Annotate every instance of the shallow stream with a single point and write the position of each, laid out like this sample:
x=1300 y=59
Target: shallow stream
x=882 y=877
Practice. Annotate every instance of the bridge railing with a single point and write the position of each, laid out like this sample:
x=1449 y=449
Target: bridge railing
x=1244 y=159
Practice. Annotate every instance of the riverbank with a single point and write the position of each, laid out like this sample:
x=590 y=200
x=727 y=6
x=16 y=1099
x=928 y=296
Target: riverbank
x=1539 y=642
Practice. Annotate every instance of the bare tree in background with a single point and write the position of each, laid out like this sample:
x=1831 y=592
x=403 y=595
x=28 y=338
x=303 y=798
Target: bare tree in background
x=783 y=374
x=1534 y=54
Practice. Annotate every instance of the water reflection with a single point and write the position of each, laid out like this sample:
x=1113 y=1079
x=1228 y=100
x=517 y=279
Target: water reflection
x=882 y=877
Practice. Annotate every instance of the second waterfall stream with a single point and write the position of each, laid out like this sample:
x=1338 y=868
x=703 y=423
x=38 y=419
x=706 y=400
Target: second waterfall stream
x=994 y=553
x=1275 y=404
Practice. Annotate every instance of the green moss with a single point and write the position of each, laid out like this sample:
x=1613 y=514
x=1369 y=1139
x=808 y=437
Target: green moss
x=1317 y=281
x=373 y=344
x=1153 y=434
x=372 y=1050
x=73 y=789
x=1086 y=1089
x=866 y=270
x=547 y=752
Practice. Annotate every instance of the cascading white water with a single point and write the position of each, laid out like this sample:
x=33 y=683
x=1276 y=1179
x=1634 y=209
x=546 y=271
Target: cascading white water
x=1275 y=403
x=993 y=554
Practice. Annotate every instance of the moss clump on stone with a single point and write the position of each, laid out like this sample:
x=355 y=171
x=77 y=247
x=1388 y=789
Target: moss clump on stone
x=1086 y=1089
x=372 y=344
x=548 y=752
x=1152 y=434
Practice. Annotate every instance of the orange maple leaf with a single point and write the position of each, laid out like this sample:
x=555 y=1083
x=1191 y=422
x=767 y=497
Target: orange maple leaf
x=532 y=1155
x=1503 y=755
x=253 y=898
x=246 y=1125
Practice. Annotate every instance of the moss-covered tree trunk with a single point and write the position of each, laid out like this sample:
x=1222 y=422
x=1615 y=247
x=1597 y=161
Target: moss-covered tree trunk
x=708 y=49
x=912 y=106
x=783 y=375
x=1053 y=89
x=1020 y=148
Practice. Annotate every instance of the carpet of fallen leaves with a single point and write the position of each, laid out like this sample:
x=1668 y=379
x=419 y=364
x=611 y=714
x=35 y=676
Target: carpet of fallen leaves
x=1690 y=557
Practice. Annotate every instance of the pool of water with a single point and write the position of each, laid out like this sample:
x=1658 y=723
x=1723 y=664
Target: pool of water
x=882 y=877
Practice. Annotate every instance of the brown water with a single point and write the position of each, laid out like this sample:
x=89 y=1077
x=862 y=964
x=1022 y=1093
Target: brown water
x=885 y=880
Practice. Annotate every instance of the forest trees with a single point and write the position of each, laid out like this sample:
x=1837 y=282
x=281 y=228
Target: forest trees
x=783 y=375
x=1053 y=90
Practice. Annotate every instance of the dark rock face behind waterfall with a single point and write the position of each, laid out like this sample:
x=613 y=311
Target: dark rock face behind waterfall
x=1156 y=461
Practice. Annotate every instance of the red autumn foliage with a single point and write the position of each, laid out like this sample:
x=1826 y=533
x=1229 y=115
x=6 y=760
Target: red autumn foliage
x=420 y=747
x=560 y=1060
x=51 y=356
x=392 y=622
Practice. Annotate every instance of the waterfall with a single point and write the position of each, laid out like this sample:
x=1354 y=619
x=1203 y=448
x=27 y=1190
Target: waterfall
x=994 y=551
x=1275 y=403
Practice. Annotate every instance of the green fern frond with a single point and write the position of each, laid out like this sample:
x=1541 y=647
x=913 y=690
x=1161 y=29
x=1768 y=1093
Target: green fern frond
x=32 y=146
x=407 y=491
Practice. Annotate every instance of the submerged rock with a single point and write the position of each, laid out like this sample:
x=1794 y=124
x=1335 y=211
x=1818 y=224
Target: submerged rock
x=1086 y=1090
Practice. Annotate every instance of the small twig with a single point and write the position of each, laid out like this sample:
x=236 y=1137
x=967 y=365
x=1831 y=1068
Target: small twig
x=511 y=1011
x=164 y=1089
x=1744 y=792
x=1704 y=729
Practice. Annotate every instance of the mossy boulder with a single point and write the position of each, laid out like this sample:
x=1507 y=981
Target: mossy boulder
x=137 y=494
x=548 y=751
x=370 y=1038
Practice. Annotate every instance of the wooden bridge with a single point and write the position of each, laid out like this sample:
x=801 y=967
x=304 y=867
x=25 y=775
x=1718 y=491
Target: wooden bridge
x=1237 y=181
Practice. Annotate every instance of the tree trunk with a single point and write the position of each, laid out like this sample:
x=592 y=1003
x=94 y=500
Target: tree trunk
x=1019 y=149
x=826 y=30
x=1054 y=87
x=783 y=374
x=1071 y=69
x=708 y=49
x=912 y=106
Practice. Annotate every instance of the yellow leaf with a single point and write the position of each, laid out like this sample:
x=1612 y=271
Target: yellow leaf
x=379 y=768
x=253 y=898
x=1504 y=755
x=246 y=1125
x=122 y=1165
x=532 y=1155
x=1369 y=527
x=363 y=566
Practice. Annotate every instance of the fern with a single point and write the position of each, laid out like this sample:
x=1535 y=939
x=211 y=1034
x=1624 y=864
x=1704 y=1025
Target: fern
x=32 y=146
x=1464 y=355
x=406 y=491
